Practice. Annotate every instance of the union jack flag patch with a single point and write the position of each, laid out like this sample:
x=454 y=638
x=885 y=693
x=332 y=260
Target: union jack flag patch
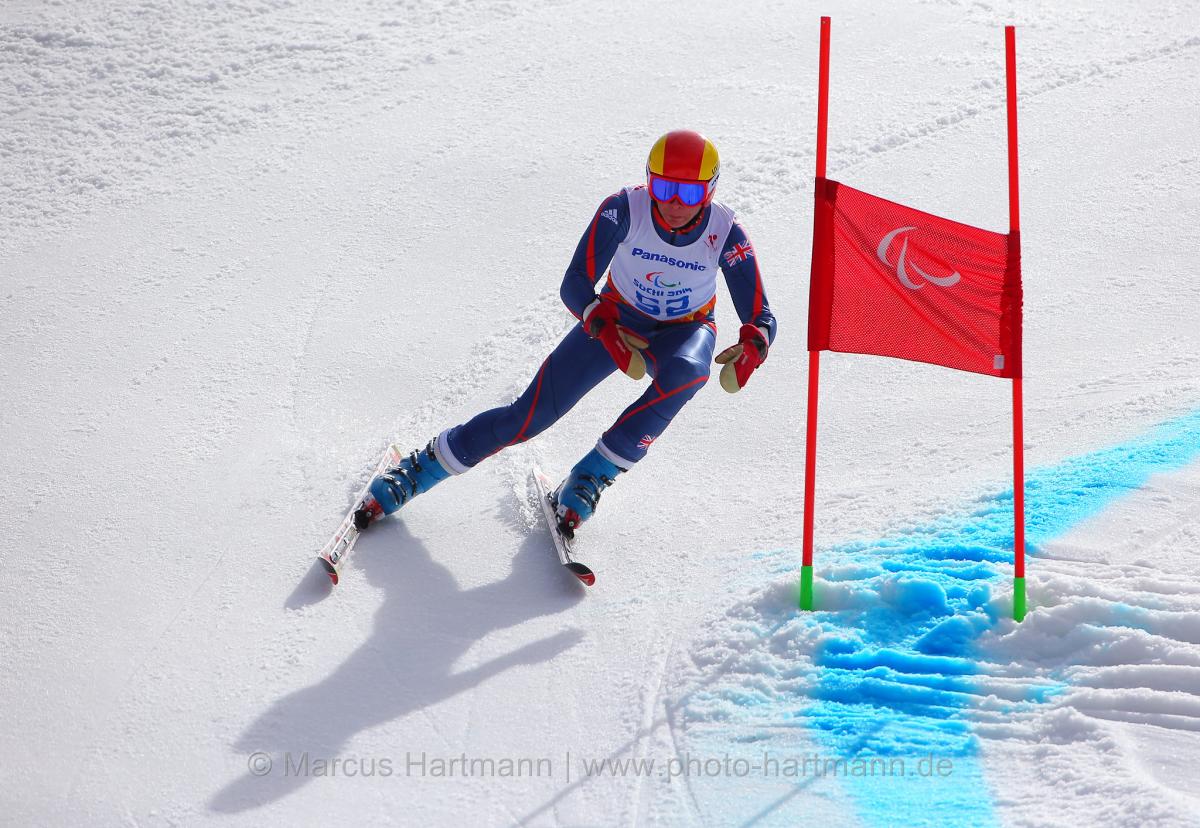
x=739 y=253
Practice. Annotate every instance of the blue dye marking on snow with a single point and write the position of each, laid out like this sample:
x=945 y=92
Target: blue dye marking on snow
x=901 y=678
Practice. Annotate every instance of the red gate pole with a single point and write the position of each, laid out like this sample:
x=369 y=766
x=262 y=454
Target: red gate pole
x=814 y=357
x=1014 y=221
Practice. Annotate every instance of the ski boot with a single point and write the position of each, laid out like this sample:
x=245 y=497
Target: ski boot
x=419 y=472
x=576 y=497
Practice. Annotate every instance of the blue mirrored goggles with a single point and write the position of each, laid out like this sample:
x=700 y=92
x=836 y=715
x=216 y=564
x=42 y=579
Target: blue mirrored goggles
x=688 y=193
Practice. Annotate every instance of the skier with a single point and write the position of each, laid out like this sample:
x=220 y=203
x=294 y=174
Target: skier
x=662 y=243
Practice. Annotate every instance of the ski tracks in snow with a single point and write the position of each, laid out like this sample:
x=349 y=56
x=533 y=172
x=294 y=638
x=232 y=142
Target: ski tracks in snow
x=648 y=725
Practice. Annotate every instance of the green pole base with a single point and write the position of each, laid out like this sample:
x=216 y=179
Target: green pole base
x=806 y=587
x=1018 y=599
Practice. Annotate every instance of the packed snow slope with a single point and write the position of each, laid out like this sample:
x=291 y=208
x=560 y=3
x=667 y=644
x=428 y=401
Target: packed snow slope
x=246 y=245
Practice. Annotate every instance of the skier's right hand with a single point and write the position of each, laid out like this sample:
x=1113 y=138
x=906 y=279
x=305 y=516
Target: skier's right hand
x=602 y=321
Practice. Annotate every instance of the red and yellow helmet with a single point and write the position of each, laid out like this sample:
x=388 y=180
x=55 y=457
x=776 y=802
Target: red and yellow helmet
x=684 y=166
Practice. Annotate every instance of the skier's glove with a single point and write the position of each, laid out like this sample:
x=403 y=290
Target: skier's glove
x=741 y=359
x=602 y=320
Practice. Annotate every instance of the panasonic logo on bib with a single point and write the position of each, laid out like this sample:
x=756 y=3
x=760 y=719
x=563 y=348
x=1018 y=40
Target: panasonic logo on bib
x=667 y=260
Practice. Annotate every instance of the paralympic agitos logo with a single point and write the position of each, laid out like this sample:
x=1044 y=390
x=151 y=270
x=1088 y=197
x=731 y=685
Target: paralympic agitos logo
x=655 y=279
x=667 y=260
x=903 y=265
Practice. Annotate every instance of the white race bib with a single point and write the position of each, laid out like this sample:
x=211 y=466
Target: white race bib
x=659 y=279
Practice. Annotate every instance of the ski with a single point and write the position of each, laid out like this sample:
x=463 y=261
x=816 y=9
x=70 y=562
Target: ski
x=333 y=555
x=562 y=543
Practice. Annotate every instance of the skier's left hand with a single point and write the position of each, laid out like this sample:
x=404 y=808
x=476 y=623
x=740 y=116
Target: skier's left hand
x=741 y=359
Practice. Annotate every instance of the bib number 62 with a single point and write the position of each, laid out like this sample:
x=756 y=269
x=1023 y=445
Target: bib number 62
x=675 y=306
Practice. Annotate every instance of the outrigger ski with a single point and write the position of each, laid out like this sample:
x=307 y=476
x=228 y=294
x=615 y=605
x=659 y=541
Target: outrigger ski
x=562 y=543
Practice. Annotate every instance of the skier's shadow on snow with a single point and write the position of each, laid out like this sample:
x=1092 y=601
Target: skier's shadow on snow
x=424 y=626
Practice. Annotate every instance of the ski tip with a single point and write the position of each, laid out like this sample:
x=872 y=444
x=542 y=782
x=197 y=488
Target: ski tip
x=582 y=573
